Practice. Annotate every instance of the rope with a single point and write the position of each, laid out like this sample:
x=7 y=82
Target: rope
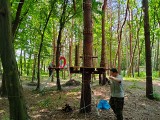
x=92 y=95
x=83 y=94
x=47 y=81
x=94 y=100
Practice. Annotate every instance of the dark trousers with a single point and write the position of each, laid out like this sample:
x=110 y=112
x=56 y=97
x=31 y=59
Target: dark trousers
x=117 y=106
x=50 y=72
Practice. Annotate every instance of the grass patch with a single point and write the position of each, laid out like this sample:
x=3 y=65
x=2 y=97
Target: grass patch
x=135 y=86
x=45 y=103
x=134 y=79
x=77 y=89
x=156 y=96
x=5 y=117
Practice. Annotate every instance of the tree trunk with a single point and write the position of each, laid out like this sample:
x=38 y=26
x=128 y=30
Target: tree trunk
x=21 y=66
x=157 y=56
x=70 y=46
x=130 y=43
x=34 y=68
x=77 y=55
x=138 y=44
x=62 y=23
x=111 y=35
x=40 y=48
x=28 y=62
x=17 y=105
x=3 y=90
x=57 y=59
x=17 y=18
x=149 y=86
x=85 y=105
x=54 y=51
x=103 y=51
x=24 y=59
x=119 y=32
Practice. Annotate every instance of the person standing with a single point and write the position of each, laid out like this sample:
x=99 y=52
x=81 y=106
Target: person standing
x=50 y=68
x=117 y=93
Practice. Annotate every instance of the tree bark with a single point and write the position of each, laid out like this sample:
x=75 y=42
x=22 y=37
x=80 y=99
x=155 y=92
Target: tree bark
x=85 y=105
x=54 y=50
x=70 y=46
x=24 y=61
x=17 y=18
x=149 y=86
x=28 y=62
x=17 y=105
x=3 y=89
x=130 y=43
x=102 y=79
x=62 y=23
x=34 y=67
x=77 y=55
x=111 y=35
x=157 y=56
x=119 y=32
x=21 y=66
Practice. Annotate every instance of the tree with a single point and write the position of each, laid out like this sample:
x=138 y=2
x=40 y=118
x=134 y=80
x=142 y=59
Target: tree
x=17 y=18
x=103 y=51
x=85 y=104
x=41 y=45
x=119 y=31
x=17 y=105
x=64 y=18
x=15 y=24
x=149 y=87
x=62 y=23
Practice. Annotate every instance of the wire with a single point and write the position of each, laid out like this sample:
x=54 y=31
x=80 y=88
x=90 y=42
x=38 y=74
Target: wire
x=83 y=86
x=47 y=81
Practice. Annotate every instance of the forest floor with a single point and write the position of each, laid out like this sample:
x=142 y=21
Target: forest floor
x=48 y=104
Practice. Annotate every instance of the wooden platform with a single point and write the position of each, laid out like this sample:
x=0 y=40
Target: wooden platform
x=90 y=70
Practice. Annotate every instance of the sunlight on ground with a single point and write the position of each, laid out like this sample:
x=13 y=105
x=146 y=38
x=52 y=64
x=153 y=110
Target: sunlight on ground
x=2 y=111
x=36 y=116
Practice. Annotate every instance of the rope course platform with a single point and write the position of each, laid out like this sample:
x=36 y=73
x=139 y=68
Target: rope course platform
x=91 y=70
x=57 y=68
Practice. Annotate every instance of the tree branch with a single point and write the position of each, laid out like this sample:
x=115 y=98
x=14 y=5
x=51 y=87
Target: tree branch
x=17 y=18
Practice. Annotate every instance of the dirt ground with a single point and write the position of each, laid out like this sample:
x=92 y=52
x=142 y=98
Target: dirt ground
x=48 y=105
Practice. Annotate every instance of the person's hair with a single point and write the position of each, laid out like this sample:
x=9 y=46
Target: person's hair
x=114 y=70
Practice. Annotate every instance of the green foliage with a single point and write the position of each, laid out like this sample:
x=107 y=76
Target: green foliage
x=155 y=74
x=45 y=103
x=156 y=96
x=32 y=23
x=141 y=74
x=5 y=117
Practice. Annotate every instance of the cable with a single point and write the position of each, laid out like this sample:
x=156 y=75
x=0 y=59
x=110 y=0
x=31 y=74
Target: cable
x=47 y=81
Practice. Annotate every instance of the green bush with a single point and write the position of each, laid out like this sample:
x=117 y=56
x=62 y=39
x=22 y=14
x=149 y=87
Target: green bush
x=141 y=74
x=156 y=96
x=155 y=74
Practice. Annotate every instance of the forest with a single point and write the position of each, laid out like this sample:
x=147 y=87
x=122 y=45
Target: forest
x=56 y=57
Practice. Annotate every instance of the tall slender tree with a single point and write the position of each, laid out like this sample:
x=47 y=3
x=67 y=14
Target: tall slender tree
x=85 y=104
x=149 y=86
x=41 y=45
x=17 y=105
x=103 y=51
x=58 y=51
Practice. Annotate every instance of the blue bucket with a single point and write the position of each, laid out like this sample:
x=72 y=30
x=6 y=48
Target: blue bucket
x=104 y=105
